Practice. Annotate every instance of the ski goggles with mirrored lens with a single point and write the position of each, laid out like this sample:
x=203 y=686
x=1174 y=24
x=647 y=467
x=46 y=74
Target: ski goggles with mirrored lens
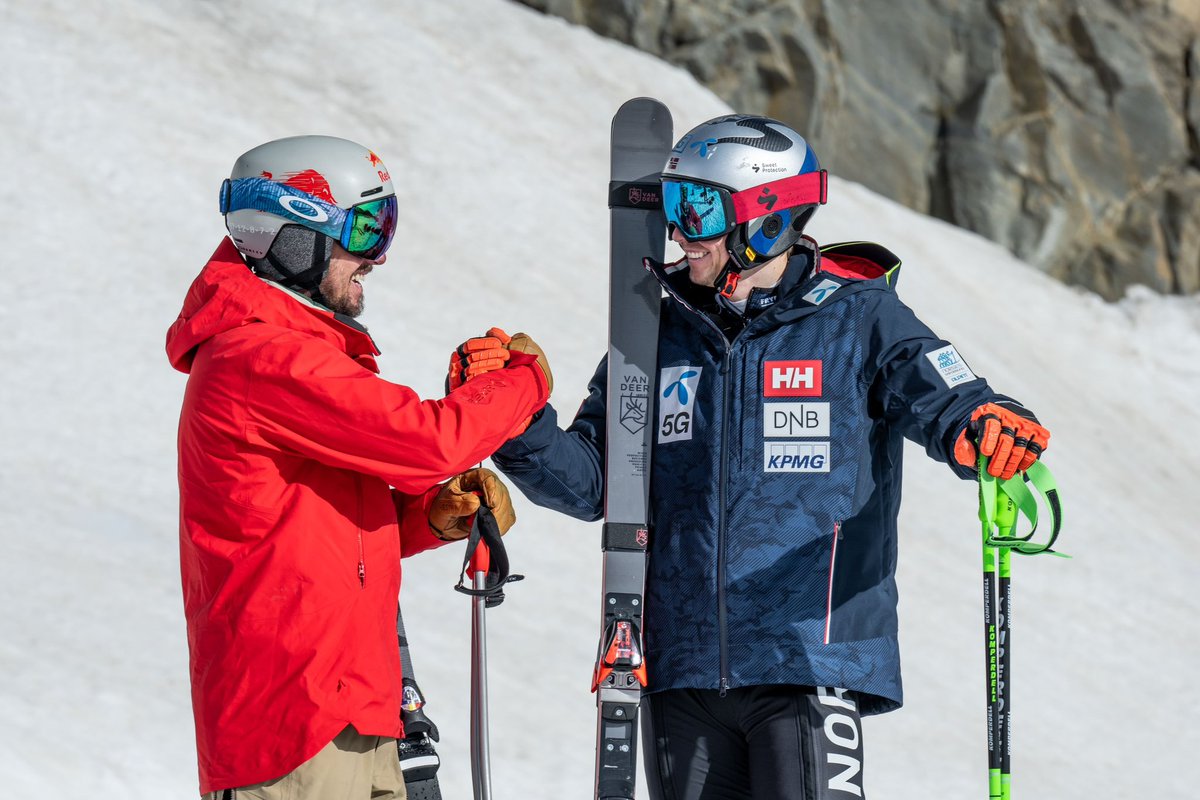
x=365 y=230
x=702 y=211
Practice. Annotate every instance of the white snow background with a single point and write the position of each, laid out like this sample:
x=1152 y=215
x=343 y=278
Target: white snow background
x=120 y=119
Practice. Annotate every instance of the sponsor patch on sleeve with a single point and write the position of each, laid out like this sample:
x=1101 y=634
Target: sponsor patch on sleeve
x=822 y=290
x=950 y=366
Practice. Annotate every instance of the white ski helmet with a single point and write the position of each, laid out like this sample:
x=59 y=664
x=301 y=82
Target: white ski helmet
x=288 y=201
x=753 y=178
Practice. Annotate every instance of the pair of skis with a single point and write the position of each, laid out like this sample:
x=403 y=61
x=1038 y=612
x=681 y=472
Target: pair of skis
x=641 y=140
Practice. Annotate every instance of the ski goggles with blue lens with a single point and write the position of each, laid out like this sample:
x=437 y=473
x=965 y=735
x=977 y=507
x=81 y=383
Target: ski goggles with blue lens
x=365 y=230
x=702 y=211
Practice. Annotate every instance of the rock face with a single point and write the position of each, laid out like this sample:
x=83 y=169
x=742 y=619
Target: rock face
x=1066 y=130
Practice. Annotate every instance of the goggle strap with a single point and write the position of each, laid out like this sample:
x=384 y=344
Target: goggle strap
x=635 y=194
x=798 y=190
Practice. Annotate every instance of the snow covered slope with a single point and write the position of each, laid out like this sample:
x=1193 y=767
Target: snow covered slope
x=121 y=118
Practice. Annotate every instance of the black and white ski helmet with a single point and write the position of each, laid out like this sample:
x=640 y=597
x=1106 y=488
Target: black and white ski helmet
x=288 y=201
x=766 y=184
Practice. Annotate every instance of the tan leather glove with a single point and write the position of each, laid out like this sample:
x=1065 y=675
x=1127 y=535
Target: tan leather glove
x=521 y=343
x=453 y=509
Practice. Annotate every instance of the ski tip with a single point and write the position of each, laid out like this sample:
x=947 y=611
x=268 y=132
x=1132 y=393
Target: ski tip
x=654 y=111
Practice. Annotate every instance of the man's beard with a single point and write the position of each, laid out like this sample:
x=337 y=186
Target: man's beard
x=339 y=301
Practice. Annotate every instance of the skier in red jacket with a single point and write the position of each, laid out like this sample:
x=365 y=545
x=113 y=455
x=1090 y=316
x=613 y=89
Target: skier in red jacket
x=304 y=477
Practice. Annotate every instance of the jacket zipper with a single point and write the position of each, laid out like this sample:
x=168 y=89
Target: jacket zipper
x=722 y=613
x=837 y=534
x=362 y=555
x=726 y=363
x=362 y=563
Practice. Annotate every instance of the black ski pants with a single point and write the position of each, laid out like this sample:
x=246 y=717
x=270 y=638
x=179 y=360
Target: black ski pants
x=757 y=742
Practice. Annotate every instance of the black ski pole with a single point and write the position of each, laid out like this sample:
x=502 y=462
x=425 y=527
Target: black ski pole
x=418 y=758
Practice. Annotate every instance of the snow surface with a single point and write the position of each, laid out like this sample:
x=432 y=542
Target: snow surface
x=121 y=118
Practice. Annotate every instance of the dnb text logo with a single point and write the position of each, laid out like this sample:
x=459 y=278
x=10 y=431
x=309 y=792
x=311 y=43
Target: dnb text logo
x=792 y=378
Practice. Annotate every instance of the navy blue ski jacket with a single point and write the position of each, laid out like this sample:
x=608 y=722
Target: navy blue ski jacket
x=775 y=475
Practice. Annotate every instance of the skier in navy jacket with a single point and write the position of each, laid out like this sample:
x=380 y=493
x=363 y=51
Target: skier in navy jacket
x=789 y=374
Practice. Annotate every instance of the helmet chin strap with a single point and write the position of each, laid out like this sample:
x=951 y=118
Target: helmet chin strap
x=727 y=282
x=298 y=259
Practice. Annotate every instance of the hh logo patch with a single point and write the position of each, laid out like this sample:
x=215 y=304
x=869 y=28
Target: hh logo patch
x=950 y=366
x=789 y=457
x=792 y=379
x=677 y=402
x=795 y=420
x=821 y=291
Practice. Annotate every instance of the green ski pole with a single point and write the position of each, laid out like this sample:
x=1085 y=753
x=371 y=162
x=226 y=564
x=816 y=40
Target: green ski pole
x=1006 y=521
x=1001 y=503
x=990 y=643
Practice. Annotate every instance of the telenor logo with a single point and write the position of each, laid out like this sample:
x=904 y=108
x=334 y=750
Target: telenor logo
x=677 y=406
x=792 y=379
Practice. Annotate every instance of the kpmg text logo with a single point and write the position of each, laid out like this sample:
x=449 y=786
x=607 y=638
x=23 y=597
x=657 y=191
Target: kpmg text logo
x=795 y=457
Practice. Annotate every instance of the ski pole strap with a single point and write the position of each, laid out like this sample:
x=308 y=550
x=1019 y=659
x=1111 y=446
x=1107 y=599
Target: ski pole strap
x=998 y=530
x=484 y=529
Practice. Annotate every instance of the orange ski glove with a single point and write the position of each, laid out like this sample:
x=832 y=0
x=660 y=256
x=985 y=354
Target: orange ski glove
x=1009 y=435
x=476 y=356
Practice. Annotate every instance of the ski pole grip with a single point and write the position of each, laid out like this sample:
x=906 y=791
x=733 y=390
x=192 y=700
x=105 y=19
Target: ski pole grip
x=481 y=558
x=1006 y=514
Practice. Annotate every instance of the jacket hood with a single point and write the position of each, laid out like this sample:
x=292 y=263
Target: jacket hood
x=227 y=295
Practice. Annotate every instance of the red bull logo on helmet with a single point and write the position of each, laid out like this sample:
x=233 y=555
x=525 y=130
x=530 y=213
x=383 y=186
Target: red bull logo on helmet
x=311 y=182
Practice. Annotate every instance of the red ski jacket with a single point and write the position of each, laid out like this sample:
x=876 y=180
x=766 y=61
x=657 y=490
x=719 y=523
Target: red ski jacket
x=290 y=531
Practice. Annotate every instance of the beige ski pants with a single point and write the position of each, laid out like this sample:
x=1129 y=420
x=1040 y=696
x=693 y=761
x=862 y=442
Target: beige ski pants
x=351 y=767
